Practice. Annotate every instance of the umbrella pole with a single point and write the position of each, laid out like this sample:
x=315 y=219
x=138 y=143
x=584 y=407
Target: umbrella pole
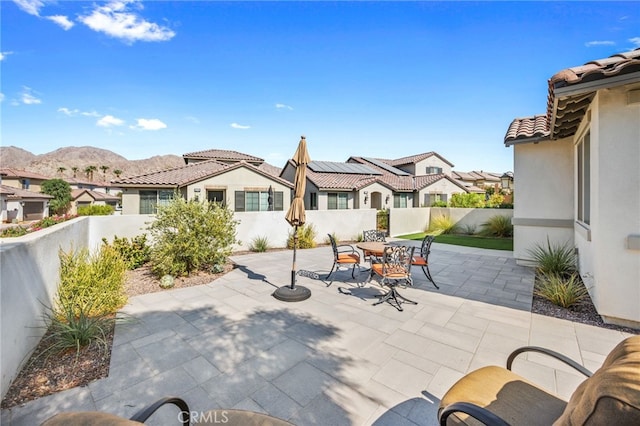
x=292 y=292
x=293 y=267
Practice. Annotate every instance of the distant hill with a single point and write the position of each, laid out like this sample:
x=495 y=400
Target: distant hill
x=82 y=157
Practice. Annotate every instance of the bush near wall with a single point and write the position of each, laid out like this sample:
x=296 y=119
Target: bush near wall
x=95 y=210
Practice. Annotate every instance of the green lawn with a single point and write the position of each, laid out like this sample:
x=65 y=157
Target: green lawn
x=467 y=240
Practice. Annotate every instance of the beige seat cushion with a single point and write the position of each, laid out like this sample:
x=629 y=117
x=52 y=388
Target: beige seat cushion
x=88 y=418
x=612 y=394
x=506 y=394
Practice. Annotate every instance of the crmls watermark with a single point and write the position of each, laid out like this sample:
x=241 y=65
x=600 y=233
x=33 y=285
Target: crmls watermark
x=209 y=417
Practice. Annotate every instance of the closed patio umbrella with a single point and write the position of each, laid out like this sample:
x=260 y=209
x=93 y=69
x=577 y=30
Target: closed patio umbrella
x=296 y=217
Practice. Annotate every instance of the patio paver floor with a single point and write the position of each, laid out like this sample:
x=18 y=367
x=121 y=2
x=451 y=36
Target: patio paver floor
x=334 y=358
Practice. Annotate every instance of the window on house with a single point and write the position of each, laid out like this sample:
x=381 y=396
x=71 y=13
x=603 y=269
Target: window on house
x=584 y=179
x=25 y=183
x=434 y=198
x=258 y=201
x=216 y=196
x=313 y=198
x=434 y=170
x=337 y=201
x=400 y=200
x=148 y=202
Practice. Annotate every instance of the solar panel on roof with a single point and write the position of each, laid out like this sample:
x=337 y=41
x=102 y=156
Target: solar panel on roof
x=347 y=168
x=387 y=167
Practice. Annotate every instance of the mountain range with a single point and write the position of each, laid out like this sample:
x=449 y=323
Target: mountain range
x=62 y=161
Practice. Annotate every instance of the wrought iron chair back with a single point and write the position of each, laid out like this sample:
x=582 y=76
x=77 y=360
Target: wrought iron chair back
x=372 y=235
x=343 y=254
x=423 y=259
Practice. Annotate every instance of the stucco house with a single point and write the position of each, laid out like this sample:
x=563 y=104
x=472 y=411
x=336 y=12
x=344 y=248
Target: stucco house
x=364 y=182
x=241 y=185
x=22 y=205
x=87 y=197
x=578 y=173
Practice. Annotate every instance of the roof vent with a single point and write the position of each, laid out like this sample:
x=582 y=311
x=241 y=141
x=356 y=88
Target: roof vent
x=633 y=97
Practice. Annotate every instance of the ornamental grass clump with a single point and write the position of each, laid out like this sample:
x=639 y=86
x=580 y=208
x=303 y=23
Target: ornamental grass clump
x=497 y=226
x=259 y=244
x=442 y=225
x=561 y=290
x=554 y=259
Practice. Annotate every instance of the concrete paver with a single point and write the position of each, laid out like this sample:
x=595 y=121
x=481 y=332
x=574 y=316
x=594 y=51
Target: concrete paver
x=334 y=358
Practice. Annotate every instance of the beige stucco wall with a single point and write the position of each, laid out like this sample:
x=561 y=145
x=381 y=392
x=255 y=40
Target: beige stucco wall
x=443 y=186
x=543 y=205
x=408 y=221
x=607 y=265
x=433 y=161
x=241 y=179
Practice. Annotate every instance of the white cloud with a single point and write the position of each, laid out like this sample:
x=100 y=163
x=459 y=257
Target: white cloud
x=61 y=20
x=635 y=41
x=600 y=43
x=238 y=126
x=109 y=121
x=149 y=124
x=74 y=112
x=283 y=106
x=27 y=97
x=3 y=55
x=32 y=7
x=115 y=20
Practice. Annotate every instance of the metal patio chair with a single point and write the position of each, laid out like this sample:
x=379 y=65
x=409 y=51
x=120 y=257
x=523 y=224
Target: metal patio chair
x=422 y=259
x=394 y=270
x=343 y=254
x=372 y=235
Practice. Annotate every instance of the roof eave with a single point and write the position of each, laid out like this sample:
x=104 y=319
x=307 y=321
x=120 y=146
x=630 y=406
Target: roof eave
x=520 y=141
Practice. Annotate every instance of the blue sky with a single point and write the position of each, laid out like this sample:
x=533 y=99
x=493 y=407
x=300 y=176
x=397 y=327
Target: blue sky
x=378 y=79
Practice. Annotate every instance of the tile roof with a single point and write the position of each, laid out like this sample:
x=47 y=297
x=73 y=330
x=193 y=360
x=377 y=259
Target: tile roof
x=18 y=194
x=15 y=173
x=98 y=196
x=222 y=154
x=352 y=181
x=270 y=169
x=565 y=111
x=415 y=158
x=193 y=172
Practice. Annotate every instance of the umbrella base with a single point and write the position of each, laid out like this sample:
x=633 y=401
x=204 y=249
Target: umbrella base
x=288 y=294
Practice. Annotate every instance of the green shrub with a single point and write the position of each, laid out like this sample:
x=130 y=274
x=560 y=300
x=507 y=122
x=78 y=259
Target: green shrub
x=442 y=225
x=560 y=290
x=439 y=203
x=135 y=252
x=91 y=285
x=259 y=244
x=554 y=259
x=382 y=219
x=60 y=190
x=190 y=236
x=494 y=201
x=95 y=210
x=467 y=200
x=14 y=231
x=498 y=226
x=306 y=237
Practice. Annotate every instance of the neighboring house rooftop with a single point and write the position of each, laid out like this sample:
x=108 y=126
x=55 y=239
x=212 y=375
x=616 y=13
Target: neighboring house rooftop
x=221 y=155
x=97 y=196
x=412 y=159
x=190 y=173
x=570 y=93
x=16 y=173
x=22 y=194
